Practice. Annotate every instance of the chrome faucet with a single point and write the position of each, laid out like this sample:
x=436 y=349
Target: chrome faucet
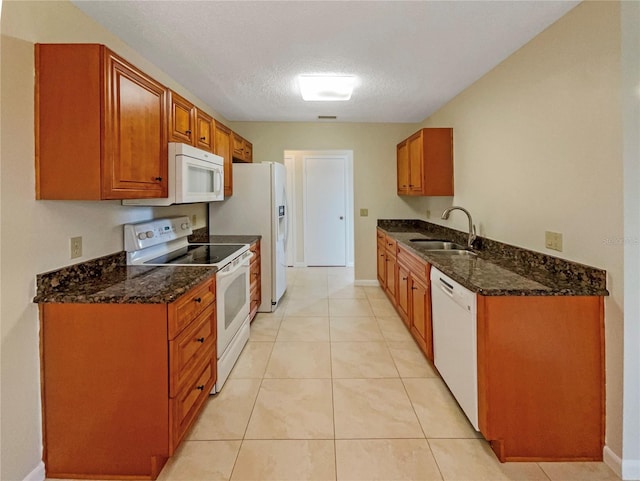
x=472 y=228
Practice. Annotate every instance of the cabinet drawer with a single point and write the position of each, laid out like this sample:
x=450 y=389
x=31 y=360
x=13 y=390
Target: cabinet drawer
x=186 y=405
x=380 y=236
x=190 y=347
x=419 y=268
x=391 y=245
x=190 y=305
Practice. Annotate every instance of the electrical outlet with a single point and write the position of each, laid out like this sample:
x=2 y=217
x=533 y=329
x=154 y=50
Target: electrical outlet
x=428 y=214
x=194 y=218
x=364 y=212
x=553 y=240
x=75 y=245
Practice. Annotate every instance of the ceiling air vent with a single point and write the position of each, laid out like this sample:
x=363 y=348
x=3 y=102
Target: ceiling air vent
x=327 y=117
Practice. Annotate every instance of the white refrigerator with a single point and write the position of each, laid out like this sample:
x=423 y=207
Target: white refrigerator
x=258 y=206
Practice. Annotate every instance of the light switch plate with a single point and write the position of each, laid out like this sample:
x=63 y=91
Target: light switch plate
x=364 y=212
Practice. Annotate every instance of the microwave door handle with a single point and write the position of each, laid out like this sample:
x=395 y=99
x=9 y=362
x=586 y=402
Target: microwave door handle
x=217 y=181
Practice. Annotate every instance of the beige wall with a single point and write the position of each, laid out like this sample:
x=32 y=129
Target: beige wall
x=374 y=169
x=538 y=146
x=35 y=234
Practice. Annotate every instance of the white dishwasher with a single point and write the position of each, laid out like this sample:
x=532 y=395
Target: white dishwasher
x=455 y=340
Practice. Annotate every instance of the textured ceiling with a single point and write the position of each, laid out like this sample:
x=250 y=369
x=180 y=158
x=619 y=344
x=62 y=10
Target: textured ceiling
x=242 y=57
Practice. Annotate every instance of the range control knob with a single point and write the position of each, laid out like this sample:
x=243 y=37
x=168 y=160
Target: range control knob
x=149 y=234
x=184 y=226
x=142 y=236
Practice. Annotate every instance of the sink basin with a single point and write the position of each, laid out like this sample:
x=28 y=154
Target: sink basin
x=431 y=244
x=423 y=239
x=444 y=247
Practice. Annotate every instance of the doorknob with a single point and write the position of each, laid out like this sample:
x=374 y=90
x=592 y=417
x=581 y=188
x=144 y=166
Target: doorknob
x=341 y=217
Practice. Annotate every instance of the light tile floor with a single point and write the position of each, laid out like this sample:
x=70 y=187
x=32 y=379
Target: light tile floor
x=331 y=386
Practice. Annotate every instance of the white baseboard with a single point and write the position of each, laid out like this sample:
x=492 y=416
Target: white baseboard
x=612 y=460
x=37 y=474
x=366 y=283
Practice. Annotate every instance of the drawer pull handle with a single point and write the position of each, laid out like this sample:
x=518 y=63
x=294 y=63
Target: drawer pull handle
x=203 y=138
x=200 y=339
x=187 y=132
x=413 y=288
x=200 y=388
x=197 y=299
x=159 y=179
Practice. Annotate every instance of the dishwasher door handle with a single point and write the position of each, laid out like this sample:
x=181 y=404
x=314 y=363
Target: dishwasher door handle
x=446 y=287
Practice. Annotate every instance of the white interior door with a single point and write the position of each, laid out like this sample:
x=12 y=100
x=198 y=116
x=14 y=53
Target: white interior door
x=325 y=241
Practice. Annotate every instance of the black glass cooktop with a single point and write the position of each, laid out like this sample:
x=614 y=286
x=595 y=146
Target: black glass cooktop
x=198 y=254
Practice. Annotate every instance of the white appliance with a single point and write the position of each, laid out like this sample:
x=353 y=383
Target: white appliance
x=453 y=311
x=163 y=242
x=194 y=176
x=258 y=206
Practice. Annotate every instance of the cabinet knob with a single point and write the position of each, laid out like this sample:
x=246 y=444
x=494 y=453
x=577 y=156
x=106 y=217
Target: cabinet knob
x=200 y=339
x=187 y=132
x=159 y=179
x=203 y=138
x=200 y=388
x=197 y=299
x=404 y=278
x=413 y=288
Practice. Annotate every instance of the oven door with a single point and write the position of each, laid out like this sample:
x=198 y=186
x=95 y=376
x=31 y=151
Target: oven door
x=233 y=302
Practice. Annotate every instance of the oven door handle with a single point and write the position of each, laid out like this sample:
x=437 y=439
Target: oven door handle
x=244 y=263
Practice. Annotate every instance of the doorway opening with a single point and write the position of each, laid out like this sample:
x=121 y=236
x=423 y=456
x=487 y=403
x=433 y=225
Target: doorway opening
x=320 y=196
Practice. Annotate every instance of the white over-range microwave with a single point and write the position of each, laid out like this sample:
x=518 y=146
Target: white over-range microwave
x=194 y=176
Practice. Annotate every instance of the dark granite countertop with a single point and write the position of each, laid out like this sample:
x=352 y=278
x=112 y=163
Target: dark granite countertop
x=500 y=269
x=233 y=239
x=109 y=280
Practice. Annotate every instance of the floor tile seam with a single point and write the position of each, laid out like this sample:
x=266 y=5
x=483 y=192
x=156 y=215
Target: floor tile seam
x=253 y=407
x=415 y=413
x=235 y=461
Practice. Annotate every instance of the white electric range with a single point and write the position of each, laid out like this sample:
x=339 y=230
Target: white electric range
x=163 y=242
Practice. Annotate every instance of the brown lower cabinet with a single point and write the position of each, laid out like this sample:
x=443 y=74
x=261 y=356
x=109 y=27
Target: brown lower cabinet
x=122 y=383
x=255 y=281
x=540 y=363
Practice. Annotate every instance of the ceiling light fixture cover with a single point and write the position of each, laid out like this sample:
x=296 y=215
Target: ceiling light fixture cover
x=326 y=87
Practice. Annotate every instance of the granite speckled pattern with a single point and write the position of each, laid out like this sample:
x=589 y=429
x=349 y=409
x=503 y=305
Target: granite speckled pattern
x=499 y=269
x=109 y=280
x=233 y=239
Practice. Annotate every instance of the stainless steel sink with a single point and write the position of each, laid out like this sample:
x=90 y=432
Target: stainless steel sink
x=443 y=247
x=431 y=244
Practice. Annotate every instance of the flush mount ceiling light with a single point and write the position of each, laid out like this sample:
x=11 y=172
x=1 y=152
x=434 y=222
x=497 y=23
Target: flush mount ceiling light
x=326 y=87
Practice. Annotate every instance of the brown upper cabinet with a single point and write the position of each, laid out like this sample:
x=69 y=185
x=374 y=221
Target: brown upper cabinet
x=425 y=163
x=100 y=126
x=242 y=149
x=222 y=147
x=188 y=124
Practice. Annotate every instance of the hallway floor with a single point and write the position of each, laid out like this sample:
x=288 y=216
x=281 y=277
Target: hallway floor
x=332 y=386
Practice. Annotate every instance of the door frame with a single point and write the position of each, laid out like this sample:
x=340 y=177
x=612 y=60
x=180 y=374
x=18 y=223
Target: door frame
x=290 y=165
x=347 y=155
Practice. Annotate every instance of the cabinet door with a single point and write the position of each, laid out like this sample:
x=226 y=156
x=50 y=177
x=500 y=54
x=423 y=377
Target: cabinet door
x=390 y=277
x=222 y=147
x=204 y=131
x=382 y=276
x=182 y=120
x=248 y=151
x=421 y=316
x=135 y=147
x=403 y=167
x=415 y=163
x=238 y=147
x=402 y=296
